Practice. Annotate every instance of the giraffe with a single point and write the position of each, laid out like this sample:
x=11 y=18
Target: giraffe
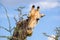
x=25 y=28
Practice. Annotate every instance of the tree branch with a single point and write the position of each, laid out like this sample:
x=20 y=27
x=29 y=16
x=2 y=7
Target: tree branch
x=5 y=37
x=4 y=28
x=7 y=16
x=13 y=28
x=15 y=19
x=48 y=35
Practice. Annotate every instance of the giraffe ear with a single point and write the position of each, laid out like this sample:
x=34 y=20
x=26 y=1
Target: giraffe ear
x=38 y=8
x=42 y=15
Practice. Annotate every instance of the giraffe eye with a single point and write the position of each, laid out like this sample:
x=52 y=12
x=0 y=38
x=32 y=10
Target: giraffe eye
x=37 y=19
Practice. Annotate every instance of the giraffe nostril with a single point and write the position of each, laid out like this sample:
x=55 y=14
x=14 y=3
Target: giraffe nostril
x=29 y=28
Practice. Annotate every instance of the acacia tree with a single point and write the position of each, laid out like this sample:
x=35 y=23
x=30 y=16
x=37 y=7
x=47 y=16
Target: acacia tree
x=20 y=15
x=57 y=31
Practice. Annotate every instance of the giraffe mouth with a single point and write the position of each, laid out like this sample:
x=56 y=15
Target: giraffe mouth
x=29 y=31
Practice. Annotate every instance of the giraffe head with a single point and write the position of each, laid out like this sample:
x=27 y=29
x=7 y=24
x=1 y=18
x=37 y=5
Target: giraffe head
x=34 y=15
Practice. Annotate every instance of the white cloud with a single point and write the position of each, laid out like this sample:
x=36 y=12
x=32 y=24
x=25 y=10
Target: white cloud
x=53 y=0
x=13 y=3
x=46 y=5
x=50 y=38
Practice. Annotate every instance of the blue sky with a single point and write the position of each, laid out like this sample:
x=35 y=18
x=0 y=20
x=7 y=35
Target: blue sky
x=51 y=8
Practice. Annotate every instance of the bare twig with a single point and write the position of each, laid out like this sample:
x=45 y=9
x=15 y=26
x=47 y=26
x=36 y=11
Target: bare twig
x=21 y=7
x=7 y=17
x=4 y=28
x=8 y=37
x=5 y=37
x=25 y=15
x=48 y=35
x=13 y=28
x=20 y=14
x=15 y=19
